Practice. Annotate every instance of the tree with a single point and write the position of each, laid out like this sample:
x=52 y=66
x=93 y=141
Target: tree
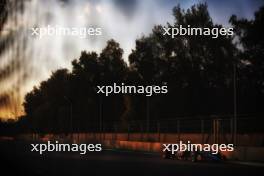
x=43 y=104
x=250 y=40
x=198 y=70
x=194 y=67
x=74 y=95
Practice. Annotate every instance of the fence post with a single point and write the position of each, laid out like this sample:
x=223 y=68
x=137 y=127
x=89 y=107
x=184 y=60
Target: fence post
x=115 y=131
x=178 y=129
x=141 y=131
x=202 y=130
x=215 y=130
x=128 y=128
x=104 y=132
x=232 y=129
x=216 y=124
x=158 y=128
x=148 y=118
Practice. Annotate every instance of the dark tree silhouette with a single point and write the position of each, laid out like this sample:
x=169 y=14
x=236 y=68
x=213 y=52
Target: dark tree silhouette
x=45 y=106
x=250 y=40
x=199 y=72
x=69 y=100
x=197 y=69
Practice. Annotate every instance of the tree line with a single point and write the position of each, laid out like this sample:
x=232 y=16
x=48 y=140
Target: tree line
x=201 y=72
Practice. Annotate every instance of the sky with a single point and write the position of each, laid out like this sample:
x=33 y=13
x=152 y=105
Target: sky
x=31 y=60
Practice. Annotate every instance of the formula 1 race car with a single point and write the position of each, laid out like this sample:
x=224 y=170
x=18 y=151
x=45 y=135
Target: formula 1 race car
x=194 y=156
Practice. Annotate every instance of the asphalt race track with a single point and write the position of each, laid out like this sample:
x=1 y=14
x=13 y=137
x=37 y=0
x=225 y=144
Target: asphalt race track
x=16 y=159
